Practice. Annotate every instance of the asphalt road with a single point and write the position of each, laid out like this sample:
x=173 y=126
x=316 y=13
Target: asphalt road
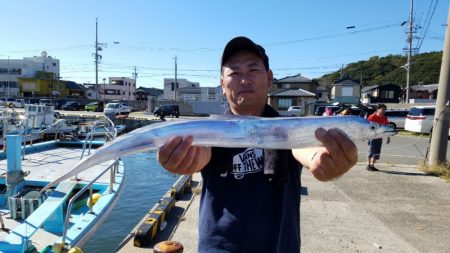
x=401 y=150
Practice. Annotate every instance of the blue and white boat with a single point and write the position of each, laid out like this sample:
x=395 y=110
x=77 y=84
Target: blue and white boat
x=60 y=219
x=33 y=124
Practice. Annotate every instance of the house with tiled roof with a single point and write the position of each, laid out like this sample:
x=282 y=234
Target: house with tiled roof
x=144 y=93
x=296 y=90
x=296 y=82
x=346 y=91
x=282 y=99
x=427 y=91
x=384 y=93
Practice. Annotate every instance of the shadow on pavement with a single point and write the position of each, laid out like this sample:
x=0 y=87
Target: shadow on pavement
x=405 y=173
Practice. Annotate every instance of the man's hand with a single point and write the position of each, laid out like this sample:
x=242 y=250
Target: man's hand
x=178 y=155
x=336 y=157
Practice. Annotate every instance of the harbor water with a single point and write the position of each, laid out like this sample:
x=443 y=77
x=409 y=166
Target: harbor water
x=145 y=183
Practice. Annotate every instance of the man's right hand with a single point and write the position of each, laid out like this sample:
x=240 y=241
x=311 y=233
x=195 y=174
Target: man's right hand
x=178 y=155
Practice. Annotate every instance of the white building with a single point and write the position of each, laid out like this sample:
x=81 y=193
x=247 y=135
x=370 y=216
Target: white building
x=188 y=94
x=120 y=88
x=171 y=90
x=91 y=93
x=11 y=69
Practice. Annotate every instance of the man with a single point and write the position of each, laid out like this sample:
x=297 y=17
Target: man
x=375 y=144
x=251 y=197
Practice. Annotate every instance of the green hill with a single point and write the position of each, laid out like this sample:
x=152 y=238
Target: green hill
x=388 y=69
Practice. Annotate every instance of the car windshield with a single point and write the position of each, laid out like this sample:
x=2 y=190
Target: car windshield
x=421 y=111
x=396 y=113
x=112 y=105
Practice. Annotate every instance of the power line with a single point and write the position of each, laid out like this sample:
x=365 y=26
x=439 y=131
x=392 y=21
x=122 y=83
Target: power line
x=333 y=35
x=428 y=19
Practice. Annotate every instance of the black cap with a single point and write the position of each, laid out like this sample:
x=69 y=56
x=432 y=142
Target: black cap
x=244 y=43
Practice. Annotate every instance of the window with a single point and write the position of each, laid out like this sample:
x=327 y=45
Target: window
x=387 y=94
x=117 y=82
x=284 y=102
x=347 y=91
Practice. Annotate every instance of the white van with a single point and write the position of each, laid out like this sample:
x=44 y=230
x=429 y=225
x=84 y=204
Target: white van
x=420 y=119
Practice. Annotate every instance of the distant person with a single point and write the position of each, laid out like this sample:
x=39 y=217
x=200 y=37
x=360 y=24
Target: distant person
x=328 y=112
x=375 y=145
x=162 y=116
x=250 y=198
x=346 y=112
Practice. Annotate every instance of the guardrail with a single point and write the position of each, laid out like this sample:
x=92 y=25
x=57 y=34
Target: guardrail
x=113 y=169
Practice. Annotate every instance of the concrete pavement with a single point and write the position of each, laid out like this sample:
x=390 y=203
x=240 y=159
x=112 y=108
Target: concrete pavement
x=398 y=209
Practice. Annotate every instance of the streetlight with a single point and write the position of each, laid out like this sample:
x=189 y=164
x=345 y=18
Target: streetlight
x=104 y=90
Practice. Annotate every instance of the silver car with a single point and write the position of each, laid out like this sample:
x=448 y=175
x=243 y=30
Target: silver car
x=396 y=117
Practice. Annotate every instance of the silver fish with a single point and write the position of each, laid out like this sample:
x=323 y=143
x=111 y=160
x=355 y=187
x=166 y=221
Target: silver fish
x=232 y=131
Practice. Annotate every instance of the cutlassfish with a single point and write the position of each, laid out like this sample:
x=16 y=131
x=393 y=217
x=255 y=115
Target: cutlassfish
x=232 y=131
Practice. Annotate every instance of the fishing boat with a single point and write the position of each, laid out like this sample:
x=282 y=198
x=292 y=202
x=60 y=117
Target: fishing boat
x=64 y=217
x=34 y=124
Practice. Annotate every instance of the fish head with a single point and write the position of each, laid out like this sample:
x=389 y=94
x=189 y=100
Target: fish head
x=375 y=131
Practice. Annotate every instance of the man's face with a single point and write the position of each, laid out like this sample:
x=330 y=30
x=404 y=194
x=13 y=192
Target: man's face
x=381 y=111
x=245 y=82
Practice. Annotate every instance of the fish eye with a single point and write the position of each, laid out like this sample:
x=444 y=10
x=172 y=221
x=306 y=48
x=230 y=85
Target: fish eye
x=373 y=127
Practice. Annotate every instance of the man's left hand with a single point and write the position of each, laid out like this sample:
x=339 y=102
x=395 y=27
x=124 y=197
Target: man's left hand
x=337 y=156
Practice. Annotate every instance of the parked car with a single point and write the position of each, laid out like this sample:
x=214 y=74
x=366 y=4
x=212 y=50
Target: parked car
x=420 y=119
x=396 y=117
x=117 y=108
x=94 y=106
x=166 y=110
x=72 y=106
x=295 y=110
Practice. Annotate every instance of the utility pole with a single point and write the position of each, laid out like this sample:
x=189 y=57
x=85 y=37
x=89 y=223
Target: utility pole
x=135 y=74
x=438 y=147
x=96 y=59
x=409 y=40
x=360 y=88
x=176 y=81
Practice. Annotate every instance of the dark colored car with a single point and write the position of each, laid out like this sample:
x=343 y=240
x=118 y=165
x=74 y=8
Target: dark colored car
x=167 y=110
x=362 y=112
x=72 y=106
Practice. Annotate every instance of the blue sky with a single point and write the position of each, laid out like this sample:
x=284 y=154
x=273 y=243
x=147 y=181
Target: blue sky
x=307 y=37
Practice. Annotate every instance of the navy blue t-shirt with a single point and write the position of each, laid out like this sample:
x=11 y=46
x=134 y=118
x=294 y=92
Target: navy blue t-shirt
x=243 y=210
